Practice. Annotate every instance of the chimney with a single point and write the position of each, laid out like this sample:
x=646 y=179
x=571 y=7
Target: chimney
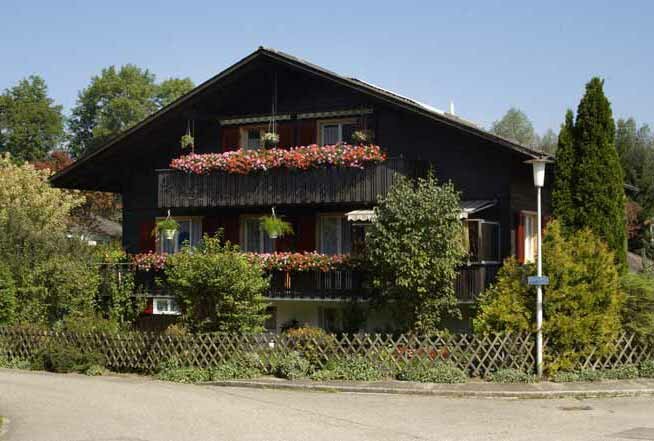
x=452 y=108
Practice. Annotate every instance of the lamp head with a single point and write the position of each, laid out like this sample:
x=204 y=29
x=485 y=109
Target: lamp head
x=538 y=167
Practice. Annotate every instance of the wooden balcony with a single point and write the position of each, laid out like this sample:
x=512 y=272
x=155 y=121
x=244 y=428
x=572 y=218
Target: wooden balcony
x=280 y=187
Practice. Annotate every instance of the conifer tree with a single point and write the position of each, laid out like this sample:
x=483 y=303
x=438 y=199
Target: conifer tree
x=563 y=205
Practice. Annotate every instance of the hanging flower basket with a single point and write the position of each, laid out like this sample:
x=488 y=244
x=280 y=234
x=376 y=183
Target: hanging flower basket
x=359 y=137
x=168 y=228
x=187 y=141
x=270 y=140
x=274 y=227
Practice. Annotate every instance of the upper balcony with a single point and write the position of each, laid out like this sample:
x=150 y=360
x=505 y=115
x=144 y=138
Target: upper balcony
x=331 y=185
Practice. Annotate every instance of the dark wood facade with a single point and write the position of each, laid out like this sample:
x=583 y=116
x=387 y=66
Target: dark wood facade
x=481 y=166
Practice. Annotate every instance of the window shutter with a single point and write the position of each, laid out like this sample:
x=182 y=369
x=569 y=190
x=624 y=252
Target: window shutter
x=306 y=233
x=286 y=135
x=231 y=138
x=230 y=226
x=149 y=306
x=146 y=238
x=520 y=237
x=307 y=135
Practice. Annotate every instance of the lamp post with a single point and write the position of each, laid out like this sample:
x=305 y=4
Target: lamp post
x=538 y=166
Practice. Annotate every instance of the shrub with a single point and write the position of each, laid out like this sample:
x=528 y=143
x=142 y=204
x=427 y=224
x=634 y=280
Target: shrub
x=14 y=363
x=565 y=377
x=292 y=366
x=628 y=372
x=590 y=375
x=646 y=369
x=95 y=371
x=352 y=369
x=432 y=372
x=511 y=376
x=60 y=357
x=219 y=289
x=7 y=295
x=314 y=344
x=185 y=375
x=234 y=370
x=582 y=302
x=414 y=250
x=176 y=330
x=638 y=311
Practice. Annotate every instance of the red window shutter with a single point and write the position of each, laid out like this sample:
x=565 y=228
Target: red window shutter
x=306 y=233
x=149 y=306
x=286 y=135
x=520 y=238
x=146 y=238
x=307 y=135
x=231 y=138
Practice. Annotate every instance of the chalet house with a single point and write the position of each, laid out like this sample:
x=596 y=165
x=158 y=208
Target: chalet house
x=328 y=207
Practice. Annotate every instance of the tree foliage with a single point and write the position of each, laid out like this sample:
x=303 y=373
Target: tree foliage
x=115 y=100
x=582 y=303
x=589 y=187
x=218 y=287
x=638 y=312
x=515 y=126
x=31 y=125
x=414 y=248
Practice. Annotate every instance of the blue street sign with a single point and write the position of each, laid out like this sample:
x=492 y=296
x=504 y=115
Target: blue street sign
x=538 y=281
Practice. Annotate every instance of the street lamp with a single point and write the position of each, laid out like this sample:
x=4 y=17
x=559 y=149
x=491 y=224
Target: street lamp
x=538 y=166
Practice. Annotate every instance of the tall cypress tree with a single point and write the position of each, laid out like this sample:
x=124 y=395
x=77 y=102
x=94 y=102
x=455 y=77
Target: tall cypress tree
x=592 y=174
x=562 y=195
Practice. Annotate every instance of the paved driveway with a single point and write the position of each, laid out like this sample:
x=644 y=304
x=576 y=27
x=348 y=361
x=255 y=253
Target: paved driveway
x=53 y=407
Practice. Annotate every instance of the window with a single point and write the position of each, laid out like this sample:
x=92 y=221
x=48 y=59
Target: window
x=334 y=235
x=251 y=137
x=530 y=222
x=335 y=131
x=254 y=239
x=165 y=306
x=483 y=239
x=190 y=231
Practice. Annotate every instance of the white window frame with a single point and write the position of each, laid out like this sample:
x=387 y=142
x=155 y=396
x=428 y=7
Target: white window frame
x=530 y=220
x=244 y=133
x=170 y=302
x=339 y=231
x=330 y=122
x=479 y=238
x=262 y=234
x=194 y=222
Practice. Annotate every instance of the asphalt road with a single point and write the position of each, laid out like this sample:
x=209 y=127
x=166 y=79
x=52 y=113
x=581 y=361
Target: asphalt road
x=53 y=407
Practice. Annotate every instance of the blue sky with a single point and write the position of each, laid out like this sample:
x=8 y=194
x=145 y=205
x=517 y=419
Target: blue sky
x=485 y=56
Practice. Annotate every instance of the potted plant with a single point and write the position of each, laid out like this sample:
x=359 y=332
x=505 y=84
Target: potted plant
x=167 y=228
x=270 y=140
x=359 y=137
x=274 y=227
x=187 y=141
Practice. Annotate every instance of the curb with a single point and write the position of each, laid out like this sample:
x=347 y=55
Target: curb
x=448 y=393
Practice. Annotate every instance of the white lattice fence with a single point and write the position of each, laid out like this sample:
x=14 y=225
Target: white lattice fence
x=476 y=354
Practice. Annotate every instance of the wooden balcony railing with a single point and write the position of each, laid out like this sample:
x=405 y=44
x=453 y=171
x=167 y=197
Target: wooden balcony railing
x=473 y=279
x=320 y=186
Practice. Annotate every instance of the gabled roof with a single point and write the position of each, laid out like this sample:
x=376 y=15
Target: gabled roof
x=353 y=83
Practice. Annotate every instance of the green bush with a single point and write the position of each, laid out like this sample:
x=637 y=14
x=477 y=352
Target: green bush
x=511 y=376
x=95 y=371
x=14 y=363
x=414 y=247
x=638 y=311
x=60 y=357
x=582 y=302
x=234 y=370
x=292 y=366
x=590 y=375
x=352 y=369
x=218 y=287
x=622 y=373
x=7 y=296
x=432 y=372
x=185 y=375
x=314 y=344
x=646 y=369
x=565 y=377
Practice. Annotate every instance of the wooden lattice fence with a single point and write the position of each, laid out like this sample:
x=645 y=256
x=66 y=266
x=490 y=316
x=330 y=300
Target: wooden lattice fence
x=476 y=354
